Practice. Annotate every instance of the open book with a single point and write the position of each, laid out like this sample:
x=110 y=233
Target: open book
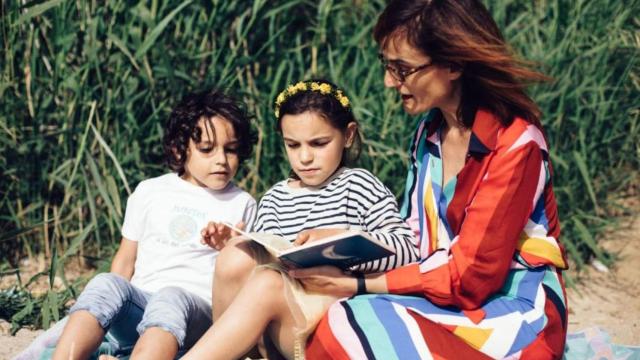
x=342 y=250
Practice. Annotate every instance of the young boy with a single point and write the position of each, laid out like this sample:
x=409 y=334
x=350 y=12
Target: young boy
x=157 y=296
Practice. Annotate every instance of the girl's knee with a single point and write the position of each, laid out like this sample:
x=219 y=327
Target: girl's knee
x=235 y=262
x=267 y=281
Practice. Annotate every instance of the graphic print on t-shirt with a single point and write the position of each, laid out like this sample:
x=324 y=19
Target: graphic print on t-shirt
x=183 y=226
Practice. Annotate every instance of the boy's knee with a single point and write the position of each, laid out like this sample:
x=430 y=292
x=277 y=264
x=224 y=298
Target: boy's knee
x=171 y=295
x=170 y=309
x=235 y=263
x=110 y=280
x=107 y=286
x=104 y=297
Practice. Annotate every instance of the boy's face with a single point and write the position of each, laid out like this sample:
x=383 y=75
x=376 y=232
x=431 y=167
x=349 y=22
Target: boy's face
x=214 y=161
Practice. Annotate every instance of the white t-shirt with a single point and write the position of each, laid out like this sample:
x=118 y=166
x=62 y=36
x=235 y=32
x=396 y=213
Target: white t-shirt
x=165 y=216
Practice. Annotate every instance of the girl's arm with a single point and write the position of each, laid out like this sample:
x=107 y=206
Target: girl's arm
x=124 y=261
x=379 y=216
x=374 y=208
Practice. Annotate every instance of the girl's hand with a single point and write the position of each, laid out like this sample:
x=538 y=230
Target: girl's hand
x=315 y=234
x=216 y=235
x=326 y=280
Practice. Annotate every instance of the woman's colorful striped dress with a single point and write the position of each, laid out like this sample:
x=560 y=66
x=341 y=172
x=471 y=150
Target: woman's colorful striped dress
x=489 y=282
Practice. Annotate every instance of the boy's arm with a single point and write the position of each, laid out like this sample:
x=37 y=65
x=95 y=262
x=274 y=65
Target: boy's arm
x=124 y=261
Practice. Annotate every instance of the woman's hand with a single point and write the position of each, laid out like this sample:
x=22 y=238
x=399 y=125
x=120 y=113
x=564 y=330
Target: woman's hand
x=216 y=235
x=333 y=281
x=326 y=280
x=315 y=234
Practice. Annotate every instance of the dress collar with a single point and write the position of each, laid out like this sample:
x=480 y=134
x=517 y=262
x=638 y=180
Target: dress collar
x=484 y=131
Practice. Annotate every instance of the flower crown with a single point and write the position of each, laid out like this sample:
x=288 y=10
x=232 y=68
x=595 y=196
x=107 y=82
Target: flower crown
x=321 y=87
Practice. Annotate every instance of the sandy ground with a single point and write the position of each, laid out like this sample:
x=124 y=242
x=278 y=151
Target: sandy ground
x=11 y=345
x=611 y=300
x=608 y=299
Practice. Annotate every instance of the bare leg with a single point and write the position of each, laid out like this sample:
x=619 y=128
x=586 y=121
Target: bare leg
x=81 y=337
x=155 y=343
x=233 y=267
x=260 y=306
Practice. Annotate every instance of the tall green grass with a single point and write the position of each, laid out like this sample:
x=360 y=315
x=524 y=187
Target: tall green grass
x=86 y=85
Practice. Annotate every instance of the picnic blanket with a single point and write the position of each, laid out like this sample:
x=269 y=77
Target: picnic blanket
x=594 y=343
x=43 y=346
x=589 y=344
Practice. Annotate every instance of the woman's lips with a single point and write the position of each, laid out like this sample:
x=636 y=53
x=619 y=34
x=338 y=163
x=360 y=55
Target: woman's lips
x=406 y=97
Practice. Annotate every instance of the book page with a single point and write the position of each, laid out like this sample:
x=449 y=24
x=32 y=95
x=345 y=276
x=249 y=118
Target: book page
x=270 y=240
x=275 y=244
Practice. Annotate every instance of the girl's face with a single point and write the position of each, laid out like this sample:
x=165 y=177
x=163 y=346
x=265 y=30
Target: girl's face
x=433 y=86
x=314 y=147
x=212 y=162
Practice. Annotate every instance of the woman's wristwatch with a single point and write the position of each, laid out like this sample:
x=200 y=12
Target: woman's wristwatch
x=362 y=284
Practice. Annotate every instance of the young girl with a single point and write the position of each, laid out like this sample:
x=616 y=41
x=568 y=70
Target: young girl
x=159 y=287
x=321 y=136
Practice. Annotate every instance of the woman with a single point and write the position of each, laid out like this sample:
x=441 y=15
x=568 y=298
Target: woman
x=478 y=196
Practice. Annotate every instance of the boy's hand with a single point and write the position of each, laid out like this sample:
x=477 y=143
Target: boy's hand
x=216 y=234
x=315 y=234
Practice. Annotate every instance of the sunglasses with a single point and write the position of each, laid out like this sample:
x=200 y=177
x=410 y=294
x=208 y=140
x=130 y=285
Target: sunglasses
x=398 y=73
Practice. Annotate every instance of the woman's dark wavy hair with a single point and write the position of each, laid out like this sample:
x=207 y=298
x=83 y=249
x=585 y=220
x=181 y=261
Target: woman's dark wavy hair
x=462 y=34
x=327 y=106
x=182 y=125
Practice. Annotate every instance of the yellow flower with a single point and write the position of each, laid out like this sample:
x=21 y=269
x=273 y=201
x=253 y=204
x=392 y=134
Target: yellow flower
x=277 y=112
x=280 y=98
x=291 y=89
x=315 y=86
x=343 y=100
x=325 y=89
x=300 y=86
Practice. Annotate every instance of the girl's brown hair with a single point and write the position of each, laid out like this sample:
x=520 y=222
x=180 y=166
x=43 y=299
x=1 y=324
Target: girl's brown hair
x=328 y=107
x=462 y=34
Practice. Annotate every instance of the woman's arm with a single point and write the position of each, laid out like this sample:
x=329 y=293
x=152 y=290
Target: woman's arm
x=125 y=259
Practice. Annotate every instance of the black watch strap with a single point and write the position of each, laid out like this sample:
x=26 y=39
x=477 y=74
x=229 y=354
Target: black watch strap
x=362 y=284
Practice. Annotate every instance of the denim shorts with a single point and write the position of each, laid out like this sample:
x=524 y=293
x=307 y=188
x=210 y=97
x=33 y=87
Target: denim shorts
x=127 y=311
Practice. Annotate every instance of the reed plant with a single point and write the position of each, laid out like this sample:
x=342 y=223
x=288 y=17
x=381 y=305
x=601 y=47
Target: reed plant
x=86 y=85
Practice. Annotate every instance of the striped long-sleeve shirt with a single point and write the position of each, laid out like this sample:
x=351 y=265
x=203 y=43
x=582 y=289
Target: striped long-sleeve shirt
x=351 y=199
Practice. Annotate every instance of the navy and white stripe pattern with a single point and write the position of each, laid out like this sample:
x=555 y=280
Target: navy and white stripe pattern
x=351 y=199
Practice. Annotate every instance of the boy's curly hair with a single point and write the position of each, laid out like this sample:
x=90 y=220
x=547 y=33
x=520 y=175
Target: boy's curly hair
x=182 y=125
